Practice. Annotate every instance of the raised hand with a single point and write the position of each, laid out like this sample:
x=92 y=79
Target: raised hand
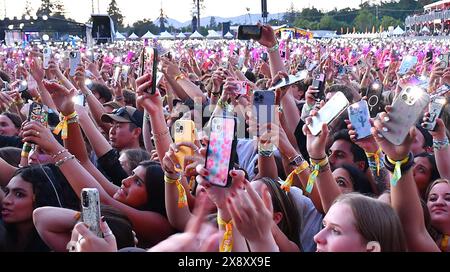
x=62 y=97
x=152 y=103
x=34 y=132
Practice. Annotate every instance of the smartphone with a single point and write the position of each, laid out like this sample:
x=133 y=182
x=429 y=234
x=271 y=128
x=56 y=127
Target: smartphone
x=38 y=113
x=264 y=107
x=265 y=57
x=359 y=116
x=47 y=55
x=406 y=111
x=435 y=108
x=23 y=86
x=242 y=88
x=332 y=109
x=90 y=56
x=5 y=86
x=74 y=61
x=319 y=84
x=249 y=32
x=116 y=77
x=444 y=60
x=184 y=132
x=90 y=210
x=125 y=71
x=407 y=64
x=142 y=60
x=80 y=100
x=152 y=58
x=221 y=150
x=429 y=56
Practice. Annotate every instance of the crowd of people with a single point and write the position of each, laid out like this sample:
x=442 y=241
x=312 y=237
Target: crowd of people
x=99 y=125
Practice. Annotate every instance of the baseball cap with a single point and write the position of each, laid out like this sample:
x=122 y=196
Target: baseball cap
x=125 y=115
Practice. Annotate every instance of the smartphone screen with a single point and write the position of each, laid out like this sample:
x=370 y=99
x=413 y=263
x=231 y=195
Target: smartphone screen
x=407 y=64
x=79 y=100
x=90 y=213
x=220 y=149
x=249 y=32
x=38 y=113
x=47 y=54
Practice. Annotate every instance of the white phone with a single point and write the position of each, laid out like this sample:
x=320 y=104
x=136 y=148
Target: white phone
x=47 y=53
x=90 y=213
x=74 y=61
x=332 y=109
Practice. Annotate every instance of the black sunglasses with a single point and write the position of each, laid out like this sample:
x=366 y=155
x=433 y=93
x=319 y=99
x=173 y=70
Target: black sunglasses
x=122 y=112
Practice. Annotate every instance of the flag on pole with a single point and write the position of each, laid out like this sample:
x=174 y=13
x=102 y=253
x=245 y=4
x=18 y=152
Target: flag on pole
x=354 y=30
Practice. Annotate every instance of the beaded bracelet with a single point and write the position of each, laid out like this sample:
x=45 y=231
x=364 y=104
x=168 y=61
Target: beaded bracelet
x=59 y=153
x=439 y=145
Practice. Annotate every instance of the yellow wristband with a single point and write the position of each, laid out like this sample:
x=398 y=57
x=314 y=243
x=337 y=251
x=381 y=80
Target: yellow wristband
x=315 y=173
x=182 y=197
x=227 y=242
x=290 y=179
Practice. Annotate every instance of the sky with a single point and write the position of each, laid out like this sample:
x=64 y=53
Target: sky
x=180 y=10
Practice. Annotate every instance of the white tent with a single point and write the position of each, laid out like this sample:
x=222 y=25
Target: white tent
x=398 y=31
x=196 y=35
x=181 y=36
x=166 y=36
x=133 y=36
x=212 y=34
x=148 y=35
x=229 y=35
x=120 y=37
x=425 y=29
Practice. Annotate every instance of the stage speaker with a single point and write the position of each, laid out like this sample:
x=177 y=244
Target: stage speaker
x=102 y=29
x=225 y=28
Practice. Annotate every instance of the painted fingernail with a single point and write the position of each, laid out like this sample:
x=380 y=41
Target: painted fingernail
x=379 y=135
x=385 y=129
x=203 y=190
x=178 y=166
x=103 y=219
x=233 y=174
x=387 y=119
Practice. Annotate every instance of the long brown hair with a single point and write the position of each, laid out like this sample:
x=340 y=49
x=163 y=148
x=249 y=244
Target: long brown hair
x=376 y=221
x=282 y=203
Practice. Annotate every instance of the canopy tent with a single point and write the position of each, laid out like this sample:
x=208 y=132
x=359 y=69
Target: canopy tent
x=212 y=34
x=120 y=37
x=424 y=29
x=196 y=35
x=133 y=36
x=229 y=36
x=181 y=36
x=398 y=31
x=166 y=36
x=148 y=35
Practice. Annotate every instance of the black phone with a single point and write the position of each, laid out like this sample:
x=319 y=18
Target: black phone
x=154 y=71
x=265 y=57
x=319 y=84
x=430 y=56
x=249 y=32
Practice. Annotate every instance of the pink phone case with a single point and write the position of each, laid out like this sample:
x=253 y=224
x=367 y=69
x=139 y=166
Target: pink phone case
x=220 y=150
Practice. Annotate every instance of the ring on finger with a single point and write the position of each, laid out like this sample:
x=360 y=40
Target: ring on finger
x=107 y=234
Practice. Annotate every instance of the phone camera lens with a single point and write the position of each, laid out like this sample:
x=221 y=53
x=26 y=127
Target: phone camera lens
x=405 y=97
x=181 y=128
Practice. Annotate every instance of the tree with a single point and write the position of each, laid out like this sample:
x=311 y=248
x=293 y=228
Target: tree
x=59 y=10
x=311 y=14
x=364 y=20
x=45 y=9
x=388 y=21
x=328 y=23
x=28 y=9
x=116 y=14
x=291 y=14
x=213 y=23
x=51 y=8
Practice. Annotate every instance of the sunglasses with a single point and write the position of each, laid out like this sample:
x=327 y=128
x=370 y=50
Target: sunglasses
x=122 y=112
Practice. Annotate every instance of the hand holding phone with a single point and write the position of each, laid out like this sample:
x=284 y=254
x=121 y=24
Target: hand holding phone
x=435 y=109
x=90 y=213
x=319 y=84
x=249 y=32
x=406 y=111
